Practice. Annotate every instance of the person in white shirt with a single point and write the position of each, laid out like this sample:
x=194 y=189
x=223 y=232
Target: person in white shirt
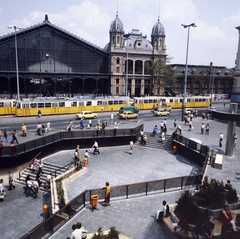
x=115 y=127
x=131 y=147
x=95 y=146
x=220 y=139
x=36 y=188
x=29 y=187
x=1 y=186
x=86 y=155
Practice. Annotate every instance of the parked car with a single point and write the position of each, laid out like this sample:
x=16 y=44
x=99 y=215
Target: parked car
x=211 y=109
x=188 y=111
x=86 y=115
x=161 y=112
x=128 y=115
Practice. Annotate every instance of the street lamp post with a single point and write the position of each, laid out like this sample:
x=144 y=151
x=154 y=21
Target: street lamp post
x=15 y=31
x=186 y=70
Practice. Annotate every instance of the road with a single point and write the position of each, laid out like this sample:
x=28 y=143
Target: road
x=60 y=122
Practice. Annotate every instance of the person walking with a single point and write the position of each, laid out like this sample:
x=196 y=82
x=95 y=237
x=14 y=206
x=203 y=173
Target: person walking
x=24 y=130
x=48 y=127
x=190 y=125
x=39 y=114
x=10 y=181
x=39 y=129
x=14 y=137
x=220 y=139
x=5 y=136
x=96 y=149
x=90 y=123
x=175 y=124
x=207 y=129
x=81 y=124
x=202 y=128
x=103 y=127
x=40 y=167
x=107 y=193
x=77 y=153
x=131 y=147
x=115 y=127
x=165 y=212
x=36 y=188
x=234 y=139
x=97 y=129
x=155 y=130
x=106 y=122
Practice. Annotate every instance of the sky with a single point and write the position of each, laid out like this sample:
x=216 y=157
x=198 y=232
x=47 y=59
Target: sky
x=215 y=39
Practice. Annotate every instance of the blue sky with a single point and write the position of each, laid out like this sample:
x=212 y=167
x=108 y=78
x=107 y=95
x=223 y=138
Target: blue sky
x=215 y=38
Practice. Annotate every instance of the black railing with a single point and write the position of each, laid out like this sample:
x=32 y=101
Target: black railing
x=56 y=220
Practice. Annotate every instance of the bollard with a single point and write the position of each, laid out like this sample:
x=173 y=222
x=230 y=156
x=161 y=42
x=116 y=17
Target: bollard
x=45 y=210
x=174 y=149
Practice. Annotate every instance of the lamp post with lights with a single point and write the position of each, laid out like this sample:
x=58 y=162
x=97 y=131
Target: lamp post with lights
x=15 y=31
x=186 y=69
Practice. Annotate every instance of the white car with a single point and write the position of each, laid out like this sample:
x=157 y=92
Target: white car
x=211 y=109
x=188 y=111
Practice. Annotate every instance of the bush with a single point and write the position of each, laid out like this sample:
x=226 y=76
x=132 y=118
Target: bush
x=112 y=234
x=212 y=194
x=187 y=209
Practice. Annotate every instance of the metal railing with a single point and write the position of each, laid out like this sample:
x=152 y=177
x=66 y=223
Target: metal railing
x=55 y=221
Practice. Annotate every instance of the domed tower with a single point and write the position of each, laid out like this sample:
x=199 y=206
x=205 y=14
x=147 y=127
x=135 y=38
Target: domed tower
x=116 y=33
x=158 y=37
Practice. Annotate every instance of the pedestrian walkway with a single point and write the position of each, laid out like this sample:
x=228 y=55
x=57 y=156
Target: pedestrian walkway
x=133 y=217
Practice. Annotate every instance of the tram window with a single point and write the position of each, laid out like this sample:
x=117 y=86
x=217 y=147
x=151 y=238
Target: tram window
x=47 y=105
x=74 y=103
x=163 y=100
x=150 y=101
x=1 y=104
x=89 y=103
x=110 y=102
x=99 y=103
x=40 y=105
x=24 y=106
x=196 y=100
x=61 y=104
x=14 y=103
x=141 y=101
x=54 y=104
x=171 y=101
x=181 y=100
x=188 y=100
x=203 y=100
x=115 y=102
x=145 y=101
x=33 y=105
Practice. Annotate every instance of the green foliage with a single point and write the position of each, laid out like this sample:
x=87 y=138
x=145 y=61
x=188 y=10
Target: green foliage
x=161 y=74
x=187 y=209
x=211 y=194
x=112 y=234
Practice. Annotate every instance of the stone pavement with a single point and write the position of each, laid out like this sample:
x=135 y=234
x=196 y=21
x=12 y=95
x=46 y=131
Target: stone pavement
x=133 y=217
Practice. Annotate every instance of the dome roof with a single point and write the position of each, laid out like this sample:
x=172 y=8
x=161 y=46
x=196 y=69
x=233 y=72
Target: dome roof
x=116 y=25
x=158 y=29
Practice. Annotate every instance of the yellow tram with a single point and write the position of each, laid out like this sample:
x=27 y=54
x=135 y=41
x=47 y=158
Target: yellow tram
x=65 y=105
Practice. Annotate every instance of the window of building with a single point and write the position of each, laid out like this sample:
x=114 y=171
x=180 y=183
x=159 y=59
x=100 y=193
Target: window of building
x=117 y=69
x=117 y=90
x=117 y=81
x=118 y=60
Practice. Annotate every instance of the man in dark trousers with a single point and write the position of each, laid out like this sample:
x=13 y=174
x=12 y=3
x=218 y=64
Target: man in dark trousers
x=14 y=137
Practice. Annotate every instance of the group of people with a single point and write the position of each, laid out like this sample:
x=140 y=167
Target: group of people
x=162 y=130
x=205 y=129
x=79 y=232
x=4 y=137
x=37 y=166
x=41 y=130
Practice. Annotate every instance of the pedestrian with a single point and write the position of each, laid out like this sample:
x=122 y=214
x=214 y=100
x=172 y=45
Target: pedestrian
x=97 y=129
x=165 y=128
x=10 y=181
x=190 y=125
x=185 y=119
x=179 y=129
x=102 y=109
x=103 y=127
x=155 y=130
x=228 y=185
x=70 y=125
x=234 y=139
x=203 y=116
x=36 y=188
x=220 y=139
x=5 y=136
x=202 y=128
x=106 y=122
x=196 y=113
x=39 y=129
x=96 y=149
x=2 y=190
x=141 y=136
x=131 y=147
x=207 y=129
x=48 y=129
x=161 y=127
x=163 y=137
x=165 y=212
x=191 y=116
x=115 y=127
x=90 y=123
x=144 y=139
x=14 y=137
x=86 y=155
x=40 y=167
x=207 y=116
x=77 y=153
x=211 y=157
x=39 y=114
x=107 y=193
x=175 y=124
x=24 y=130
x=29 y=188
x=81 y=124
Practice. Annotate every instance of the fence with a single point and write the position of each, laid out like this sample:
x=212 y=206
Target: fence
x=55 y=221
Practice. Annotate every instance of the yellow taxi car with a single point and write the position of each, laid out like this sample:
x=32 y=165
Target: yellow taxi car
x=86 y=115
x=128 y=115
x=161 y=112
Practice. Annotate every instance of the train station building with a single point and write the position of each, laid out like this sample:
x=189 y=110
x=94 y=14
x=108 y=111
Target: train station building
x=50 y=61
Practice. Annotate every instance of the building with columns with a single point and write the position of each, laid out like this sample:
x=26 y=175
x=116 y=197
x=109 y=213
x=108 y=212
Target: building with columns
x=52 y=61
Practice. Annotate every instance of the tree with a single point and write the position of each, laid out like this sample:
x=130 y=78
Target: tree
x=162 y=75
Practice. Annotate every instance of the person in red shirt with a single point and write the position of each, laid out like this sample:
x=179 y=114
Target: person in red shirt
x=226 y=218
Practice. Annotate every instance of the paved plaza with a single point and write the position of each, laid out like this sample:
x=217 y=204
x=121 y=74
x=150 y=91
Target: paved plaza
x=133 y=217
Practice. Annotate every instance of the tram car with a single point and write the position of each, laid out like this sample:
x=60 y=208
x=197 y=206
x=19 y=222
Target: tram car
x=151 y=102
x=58 y=106
x=7 y=106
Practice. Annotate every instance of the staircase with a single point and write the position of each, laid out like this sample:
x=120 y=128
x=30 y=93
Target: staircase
x=156 y=142
x=48 y=169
